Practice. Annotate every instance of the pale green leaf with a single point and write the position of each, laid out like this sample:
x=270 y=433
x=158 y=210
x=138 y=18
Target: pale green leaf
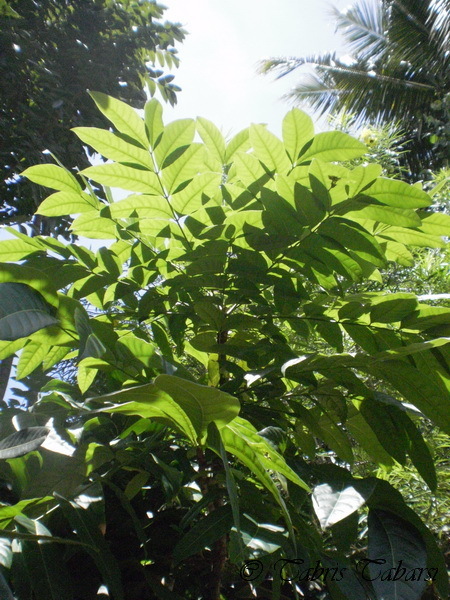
x=240 y=142
x=153 y=121
x=298 y=129
x=67 y=203
x=92 y=226
x=269 y=149
x=31 y=357
x=193 y=196
x=123 y=117
x=184 y=168
x=269 y=457
x=124 y=177
x=397 y=193
x=141 y=206
x=52 y=176
x=15 y=250
x=175 y=135
x=332 y=146
x=212 y=138
x=112 y=146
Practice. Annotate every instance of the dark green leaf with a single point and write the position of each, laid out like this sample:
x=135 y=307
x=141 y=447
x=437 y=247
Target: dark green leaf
x=24 y=441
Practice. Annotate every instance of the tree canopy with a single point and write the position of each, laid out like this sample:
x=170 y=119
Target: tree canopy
x=229 y=377
x=397 y=70
x=52 y=52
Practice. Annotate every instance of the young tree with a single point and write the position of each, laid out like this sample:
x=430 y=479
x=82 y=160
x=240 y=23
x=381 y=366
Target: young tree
x=52 y=52
x=399 y=71
x=206 y=448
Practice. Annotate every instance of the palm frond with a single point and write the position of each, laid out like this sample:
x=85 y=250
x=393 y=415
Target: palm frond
x=439 y=24
x=374 y=97
x=410 y=34
x=363 y=26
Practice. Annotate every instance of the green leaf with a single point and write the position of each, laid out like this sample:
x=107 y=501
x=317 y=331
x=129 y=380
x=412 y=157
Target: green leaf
x=201 y=403
x=140 y=206
x=387 y=426
x=44 y=563
x=269 y=149
x=395 y=547
x=332 y=146
x=113 y=146
x=417 y=387
x=239 y=143
x=366 y=438
x=32 y=355
x=153 y=121
x=419 y=452
x=148 y=401
x=123 y=117
x=392 y=307
x=413 y=237
x=298 y=129
x=212 y=138
x=267 y=455
x=124 y=177
x=15 y=250
x=22 y=311
x=397 y=194
x=204 y=533
x=175 y=135
x=399 y=217
x=353 y=237
x=24 y=441
x=67 y=203
x=193 y=196
x=184 y=168
x=332 y=503
x=94 y=227
x=31 y=277
x=239 y=447
x=53 y=177
x=85 y=526
x=435 y=223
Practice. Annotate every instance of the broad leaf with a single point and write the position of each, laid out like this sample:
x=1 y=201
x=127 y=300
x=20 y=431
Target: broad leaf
x=113 y=146
x=67 y=203
x=124 y=177
x=22 y=311
x=332 y=146
x=53 y=177
x=88 y=532
x=202 y=404
x=298 y=129
x=149 y=401
x=396 y=548
x=122 y=116
x=24 y=441
x=397 y=194
x=204 y=533
x=44 y=563
x=334 y=503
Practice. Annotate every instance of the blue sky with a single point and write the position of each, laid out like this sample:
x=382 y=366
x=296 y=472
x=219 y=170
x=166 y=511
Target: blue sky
x=226 y=40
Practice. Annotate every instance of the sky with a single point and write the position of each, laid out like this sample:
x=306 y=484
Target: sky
x=226 y=40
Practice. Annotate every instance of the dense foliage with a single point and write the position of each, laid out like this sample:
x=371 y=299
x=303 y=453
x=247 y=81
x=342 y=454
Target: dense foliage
x=229 y=374
x=397 y=69
x=52 y=51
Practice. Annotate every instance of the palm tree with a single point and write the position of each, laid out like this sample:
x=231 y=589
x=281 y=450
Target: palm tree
x=397 y=70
